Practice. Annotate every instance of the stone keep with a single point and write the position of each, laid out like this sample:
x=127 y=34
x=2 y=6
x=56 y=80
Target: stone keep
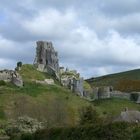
x=46 y=58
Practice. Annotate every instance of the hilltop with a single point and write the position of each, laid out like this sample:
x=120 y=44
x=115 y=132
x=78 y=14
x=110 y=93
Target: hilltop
x=124 y=81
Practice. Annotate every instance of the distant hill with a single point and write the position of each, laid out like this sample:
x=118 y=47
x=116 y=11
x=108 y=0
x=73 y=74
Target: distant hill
x=125 y=81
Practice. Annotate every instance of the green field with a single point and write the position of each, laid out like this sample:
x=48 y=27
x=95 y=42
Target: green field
x=113 y=107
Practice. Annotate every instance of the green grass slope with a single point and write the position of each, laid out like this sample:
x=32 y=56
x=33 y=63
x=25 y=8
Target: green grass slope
x=51 y=103
x=121 y=81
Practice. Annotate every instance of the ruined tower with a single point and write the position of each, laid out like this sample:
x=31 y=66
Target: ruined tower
x=46 y=59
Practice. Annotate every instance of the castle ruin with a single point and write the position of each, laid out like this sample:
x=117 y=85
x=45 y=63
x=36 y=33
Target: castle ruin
x=46 y=60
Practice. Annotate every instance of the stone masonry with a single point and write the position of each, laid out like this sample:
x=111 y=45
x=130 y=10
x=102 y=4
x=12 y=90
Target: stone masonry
x=72 y=80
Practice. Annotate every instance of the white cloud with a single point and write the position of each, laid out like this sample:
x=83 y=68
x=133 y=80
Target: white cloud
x=51 y=22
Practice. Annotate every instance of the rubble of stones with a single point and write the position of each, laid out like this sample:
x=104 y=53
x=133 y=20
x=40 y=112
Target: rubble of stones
x=11 y=76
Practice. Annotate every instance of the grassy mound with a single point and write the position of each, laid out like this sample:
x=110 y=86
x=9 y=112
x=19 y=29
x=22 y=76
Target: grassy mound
x=51 y=103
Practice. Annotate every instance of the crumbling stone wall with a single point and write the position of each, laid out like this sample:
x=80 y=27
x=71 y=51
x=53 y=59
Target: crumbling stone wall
x=108 y=92
x=72 y=80
x=119 y=94
x=102 y=92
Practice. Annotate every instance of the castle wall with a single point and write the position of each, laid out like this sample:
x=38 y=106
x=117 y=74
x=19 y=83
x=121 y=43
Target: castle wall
x=119 y=94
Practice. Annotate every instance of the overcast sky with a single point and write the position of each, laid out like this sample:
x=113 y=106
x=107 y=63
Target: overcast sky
x=96 y=37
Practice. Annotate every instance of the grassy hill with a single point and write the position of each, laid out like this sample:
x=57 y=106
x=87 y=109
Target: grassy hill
x=52 y=103
x=124 y=81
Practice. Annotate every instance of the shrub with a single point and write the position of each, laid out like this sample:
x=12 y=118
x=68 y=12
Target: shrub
x=27 y=136
x=88 y=116
x=136 y=134
x=2 y=83
x=134 y=96
x=112 y=131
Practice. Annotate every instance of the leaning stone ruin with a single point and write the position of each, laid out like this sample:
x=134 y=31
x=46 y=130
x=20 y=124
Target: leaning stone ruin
x=11 y=76
x=46 y=59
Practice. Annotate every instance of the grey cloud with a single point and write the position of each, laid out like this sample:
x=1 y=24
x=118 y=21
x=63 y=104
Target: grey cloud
x=120 y=7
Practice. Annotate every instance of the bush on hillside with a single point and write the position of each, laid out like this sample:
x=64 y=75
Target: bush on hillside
x=112 y=131
x=2 y=83
x=136 y=134
x=134 y=97
x=88 y=116
x=27 y=136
